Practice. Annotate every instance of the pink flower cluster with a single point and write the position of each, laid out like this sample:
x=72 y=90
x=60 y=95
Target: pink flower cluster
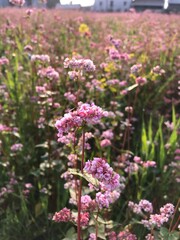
x=133 y=167
x=146 y=164
x=16 y=147
x=101 y=170
x=4 y=61
x=4 y=128
x=65 y=215
x=48 y=72
x=141 y=81
x=159 y=219
x=105 y=199
x=115 y=42
x=70 y=96
x=85 y=114
x=41 y=58
x=62 y=216
x=92 y=236
x=28 y=48
x=84 y=219
x=136 y=68
x=114 y=54
x=144 y=205
x=110 y=183
x=85 y=202
x=80 y=64
x=108 y=136
x=112 y=235
x=149 y=237
x=158 y=70
x=126 y=235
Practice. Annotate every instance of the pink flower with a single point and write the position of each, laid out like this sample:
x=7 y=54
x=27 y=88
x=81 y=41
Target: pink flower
x=126 y=235
x=129 y=109
x=62 y=216
x=137 y=160
x=141 y=81
x=101 y=170
x=92 y=236
x=41 y=58
x=136 y=68
x=108 y=134
x=105 y=143
x=146 y=206
x=28 y=185
x=135 y=207
x=4 y=128
x=149 y=237
x=69 y=96
x=73 y=75
x=84 y=219
x=167 y=210
x=48 y=72
x=85 y=202
x=102 y=200
x=149 y=164
x=72 y=160
x=80 y=64
x=85 y=114
x=132 y=168
x=113 y=82
x=157 y=220
x=28 y=48
x=112 y=236
x=114 y=54
x=16 y=147
x=4 y=61
x=40 y=89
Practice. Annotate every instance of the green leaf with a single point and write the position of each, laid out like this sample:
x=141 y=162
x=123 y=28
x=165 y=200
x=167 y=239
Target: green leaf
x=38 y=209
x=174 y=235
x=70 y=232
x=164 y=232
x=132 y=87
x=144 y=145
x=42 y=145
x=101 y=231
x=85 y=175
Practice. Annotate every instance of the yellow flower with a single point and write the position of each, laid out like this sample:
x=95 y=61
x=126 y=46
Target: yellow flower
x=110 y=67
x=83 y=28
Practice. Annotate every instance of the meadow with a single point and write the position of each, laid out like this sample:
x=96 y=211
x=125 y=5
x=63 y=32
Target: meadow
x=89 y=125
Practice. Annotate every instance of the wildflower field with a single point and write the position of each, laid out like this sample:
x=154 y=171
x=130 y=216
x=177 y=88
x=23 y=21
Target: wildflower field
x=89 y=125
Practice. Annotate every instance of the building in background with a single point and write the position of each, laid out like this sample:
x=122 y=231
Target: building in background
x=69 y=6
x=111 y=5
x=141 y=5
x=174 y=5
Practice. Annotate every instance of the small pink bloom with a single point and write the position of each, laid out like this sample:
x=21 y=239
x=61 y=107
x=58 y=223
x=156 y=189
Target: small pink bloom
x=62 y=216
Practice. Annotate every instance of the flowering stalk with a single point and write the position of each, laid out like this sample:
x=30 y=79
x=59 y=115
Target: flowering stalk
x=80 y=188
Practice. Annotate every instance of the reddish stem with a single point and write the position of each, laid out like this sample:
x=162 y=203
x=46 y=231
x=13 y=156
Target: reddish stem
x=80 y=189
x=176 y=209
